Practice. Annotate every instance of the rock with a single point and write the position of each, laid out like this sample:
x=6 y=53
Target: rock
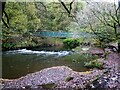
x=96 y=51
x=54 y=77
x=68 y=78
x=110 y=79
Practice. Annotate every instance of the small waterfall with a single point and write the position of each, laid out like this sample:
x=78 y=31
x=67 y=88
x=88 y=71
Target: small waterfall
x=25 y=51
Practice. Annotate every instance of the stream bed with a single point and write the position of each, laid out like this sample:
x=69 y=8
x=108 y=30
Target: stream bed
x=17 y=63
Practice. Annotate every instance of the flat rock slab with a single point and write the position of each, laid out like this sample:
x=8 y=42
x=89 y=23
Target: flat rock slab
x=96 y=51
x=54 y=75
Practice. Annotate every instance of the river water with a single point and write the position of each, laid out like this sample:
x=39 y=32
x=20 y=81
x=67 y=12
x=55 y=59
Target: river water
x=17 y=63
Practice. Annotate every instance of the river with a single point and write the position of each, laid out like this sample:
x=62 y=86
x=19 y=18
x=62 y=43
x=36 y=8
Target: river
x=17 y=63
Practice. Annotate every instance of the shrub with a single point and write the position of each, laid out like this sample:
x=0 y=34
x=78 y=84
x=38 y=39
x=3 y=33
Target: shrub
x=94 y=64
x=8 y=45
x=70 y=43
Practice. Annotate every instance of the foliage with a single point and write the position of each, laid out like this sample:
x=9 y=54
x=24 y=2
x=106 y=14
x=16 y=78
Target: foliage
x=102 y=19
x=53 y=17
x=52 y=41
x=22 y=22
x=8 y=45
x=71 y=43
x=25 y=18
x=22 y=17
x=94 y=64
x=107 y=27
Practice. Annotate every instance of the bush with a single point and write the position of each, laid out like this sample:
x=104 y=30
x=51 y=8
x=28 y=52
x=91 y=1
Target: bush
x=94 y=64
x=70 y=43
x=8 y=45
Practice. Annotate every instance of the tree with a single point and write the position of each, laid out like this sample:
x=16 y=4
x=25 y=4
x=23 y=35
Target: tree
x=23 y=21
x=53 y=16
x=109 y=18
x=26 y=18
x=2 y=4
x=104 y=21
x=57 y=15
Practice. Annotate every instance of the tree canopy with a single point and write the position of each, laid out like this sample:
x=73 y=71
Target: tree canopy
x=22 y=19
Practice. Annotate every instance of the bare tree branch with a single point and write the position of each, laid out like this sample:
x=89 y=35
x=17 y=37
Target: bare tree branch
x=3 y=12
x=71 y=5
x=102 y=19
x=117 y=11
x=64 y=6
x=68 y=10
x=91 y=27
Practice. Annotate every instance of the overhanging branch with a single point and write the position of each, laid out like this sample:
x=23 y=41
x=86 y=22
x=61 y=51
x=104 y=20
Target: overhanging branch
x=65 y=7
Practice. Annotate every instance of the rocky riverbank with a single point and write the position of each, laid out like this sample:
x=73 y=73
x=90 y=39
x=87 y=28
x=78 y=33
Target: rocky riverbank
x=55 y=77
x=110 y=79
x=62 y=77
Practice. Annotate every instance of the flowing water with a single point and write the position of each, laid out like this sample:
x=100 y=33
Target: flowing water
x=17 y=63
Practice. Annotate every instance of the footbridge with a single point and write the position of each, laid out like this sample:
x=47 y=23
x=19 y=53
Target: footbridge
x=62 y=34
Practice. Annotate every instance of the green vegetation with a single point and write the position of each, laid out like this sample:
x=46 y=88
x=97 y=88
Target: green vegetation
x=52 y=41
x=98 y=24
x=71 y=43
x=94 y=64
x=25 y=18
x=23 y=21
x=103 y=21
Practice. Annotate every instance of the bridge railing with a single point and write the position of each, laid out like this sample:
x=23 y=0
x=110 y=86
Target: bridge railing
x=62 y=34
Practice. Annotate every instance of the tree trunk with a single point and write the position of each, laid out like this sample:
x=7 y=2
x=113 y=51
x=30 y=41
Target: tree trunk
x=119 y=47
